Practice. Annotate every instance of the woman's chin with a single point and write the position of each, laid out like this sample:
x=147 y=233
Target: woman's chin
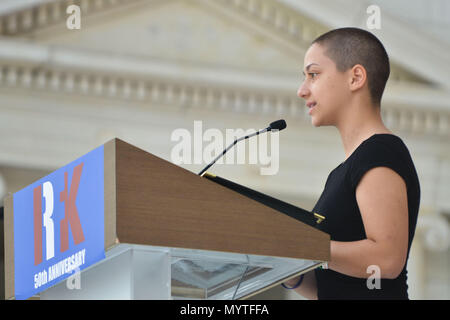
x=315 y=122
x=321 y=122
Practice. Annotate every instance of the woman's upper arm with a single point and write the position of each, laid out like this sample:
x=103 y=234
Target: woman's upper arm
x=382 y=199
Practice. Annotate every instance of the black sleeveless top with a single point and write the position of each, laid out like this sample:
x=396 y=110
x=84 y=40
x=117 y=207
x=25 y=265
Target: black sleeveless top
x=344 y=222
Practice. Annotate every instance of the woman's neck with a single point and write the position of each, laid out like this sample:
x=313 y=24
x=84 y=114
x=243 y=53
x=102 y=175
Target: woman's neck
x=355 y=129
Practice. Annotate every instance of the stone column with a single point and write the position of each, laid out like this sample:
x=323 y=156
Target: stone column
x=2 y=188
x=432 y=234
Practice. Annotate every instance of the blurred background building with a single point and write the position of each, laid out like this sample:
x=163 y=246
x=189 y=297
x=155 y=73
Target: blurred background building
x=139 y=69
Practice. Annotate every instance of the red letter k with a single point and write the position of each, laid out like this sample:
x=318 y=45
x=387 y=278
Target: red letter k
x=70 y=208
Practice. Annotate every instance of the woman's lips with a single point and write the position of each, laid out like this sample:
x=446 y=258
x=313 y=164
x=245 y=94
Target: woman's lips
x=311 y=106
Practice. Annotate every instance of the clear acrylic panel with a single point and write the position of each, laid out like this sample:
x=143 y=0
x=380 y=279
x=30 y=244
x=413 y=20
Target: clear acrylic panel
x=201 y=274
x=152 y=272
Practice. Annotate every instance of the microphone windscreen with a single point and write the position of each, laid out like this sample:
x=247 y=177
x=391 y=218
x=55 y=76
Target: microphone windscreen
x=278 y=125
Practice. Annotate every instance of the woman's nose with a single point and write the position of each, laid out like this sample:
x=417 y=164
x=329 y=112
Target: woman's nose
x=303 y=91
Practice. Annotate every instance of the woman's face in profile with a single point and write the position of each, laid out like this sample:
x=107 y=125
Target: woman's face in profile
x=324 y=88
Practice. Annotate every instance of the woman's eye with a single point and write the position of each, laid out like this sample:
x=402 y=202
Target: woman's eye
x=312 y=75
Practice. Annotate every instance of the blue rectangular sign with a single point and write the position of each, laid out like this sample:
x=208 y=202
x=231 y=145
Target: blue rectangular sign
x=59 y=225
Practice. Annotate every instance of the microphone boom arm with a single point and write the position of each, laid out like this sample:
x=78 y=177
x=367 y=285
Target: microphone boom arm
x=230 y=146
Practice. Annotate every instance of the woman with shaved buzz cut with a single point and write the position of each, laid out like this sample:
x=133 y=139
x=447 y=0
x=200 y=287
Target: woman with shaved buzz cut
x=371 y=199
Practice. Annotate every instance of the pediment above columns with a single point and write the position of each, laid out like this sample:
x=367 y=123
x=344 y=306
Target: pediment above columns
x=255 y=35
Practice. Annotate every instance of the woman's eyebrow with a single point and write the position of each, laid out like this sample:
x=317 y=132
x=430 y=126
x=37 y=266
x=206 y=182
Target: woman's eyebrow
x=309 y=66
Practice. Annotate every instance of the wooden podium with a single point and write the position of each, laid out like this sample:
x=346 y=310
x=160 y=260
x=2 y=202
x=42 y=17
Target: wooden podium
x=170 y=234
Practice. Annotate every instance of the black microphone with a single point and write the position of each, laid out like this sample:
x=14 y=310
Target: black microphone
x=276 y=125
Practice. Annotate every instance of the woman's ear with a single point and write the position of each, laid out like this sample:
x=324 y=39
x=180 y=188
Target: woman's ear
x=358 y=77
